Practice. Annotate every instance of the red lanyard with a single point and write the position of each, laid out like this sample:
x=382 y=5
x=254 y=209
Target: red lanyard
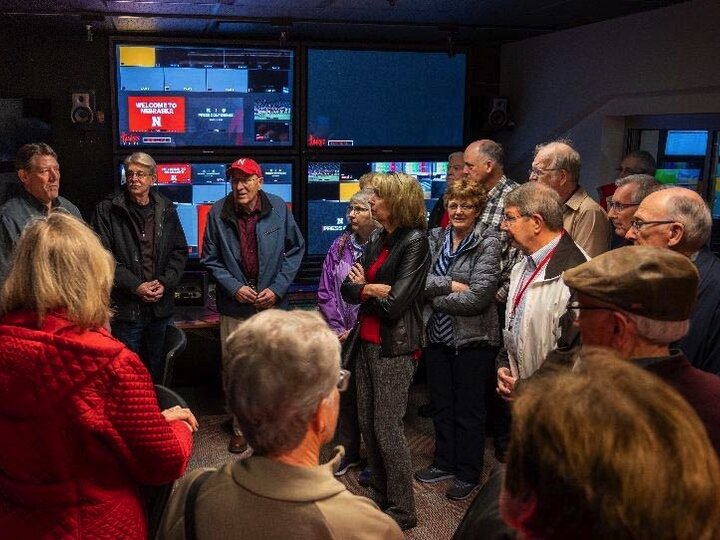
x=519 y=295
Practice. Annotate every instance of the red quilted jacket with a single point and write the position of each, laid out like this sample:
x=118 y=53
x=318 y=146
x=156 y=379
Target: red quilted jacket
x=80 y=430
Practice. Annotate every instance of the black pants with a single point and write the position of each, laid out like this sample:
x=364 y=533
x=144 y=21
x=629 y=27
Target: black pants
x=459 y=381
x=348 y=429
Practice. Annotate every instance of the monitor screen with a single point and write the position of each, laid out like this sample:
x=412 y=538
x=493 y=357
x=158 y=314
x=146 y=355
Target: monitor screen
x=686 y=143
x=194 y=187
x=385 y=98
x=330 y=185
x=185 y=96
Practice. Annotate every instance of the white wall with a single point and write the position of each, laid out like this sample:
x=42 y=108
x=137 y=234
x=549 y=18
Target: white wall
x=582 y=83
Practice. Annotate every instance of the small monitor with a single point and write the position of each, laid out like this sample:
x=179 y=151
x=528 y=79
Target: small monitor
x=686 y=143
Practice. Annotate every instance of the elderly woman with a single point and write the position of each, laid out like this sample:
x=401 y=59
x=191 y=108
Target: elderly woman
x=609 y=451
x=463 y=334
x=388 y=283
x=283 y=387
x=341 y=316
x=79 y=419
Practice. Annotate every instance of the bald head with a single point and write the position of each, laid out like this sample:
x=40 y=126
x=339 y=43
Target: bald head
x=484 y=163
x=675 y=218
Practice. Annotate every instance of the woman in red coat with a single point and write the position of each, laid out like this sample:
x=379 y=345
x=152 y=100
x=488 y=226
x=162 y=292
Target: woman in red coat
x=79 y=422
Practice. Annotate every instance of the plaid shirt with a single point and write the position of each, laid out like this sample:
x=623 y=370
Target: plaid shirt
x=492 y=216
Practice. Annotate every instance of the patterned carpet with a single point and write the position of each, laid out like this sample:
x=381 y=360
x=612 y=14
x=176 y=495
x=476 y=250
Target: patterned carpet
x=438 y=517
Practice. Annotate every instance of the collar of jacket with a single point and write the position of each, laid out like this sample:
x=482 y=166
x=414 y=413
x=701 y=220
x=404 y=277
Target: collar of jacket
x=228 y=207
x=567 y=255
x=480 y=231
x=275 y=480
x=121 y=199
x=35 y=203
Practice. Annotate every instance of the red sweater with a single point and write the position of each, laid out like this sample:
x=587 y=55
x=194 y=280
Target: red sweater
x=81 y=430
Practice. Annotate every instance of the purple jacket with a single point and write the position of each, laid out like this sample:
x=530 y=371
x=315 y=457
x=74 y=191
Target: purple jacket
x=340 y=315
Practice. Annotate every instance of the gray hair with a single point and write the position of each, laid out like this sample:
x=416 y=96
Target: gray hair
x=458 y=154
x=646 y=159
x=282 y=364
x=536 y=198
x=143 y=159
x=645 y=184
x=659 y=332
x=694 y=214
x=564 y=156
x=493 y=150
x=362 y=197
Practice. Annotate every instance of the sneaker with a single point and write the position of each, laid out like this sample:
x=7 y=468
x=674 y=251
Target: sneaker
x=460 y=490
x=431 y=474
x=345 y=464
x=364 y=477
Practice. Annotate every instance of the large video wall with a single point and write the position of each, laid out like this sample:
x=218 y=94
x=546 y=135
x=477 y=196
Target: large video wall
x=196 y=107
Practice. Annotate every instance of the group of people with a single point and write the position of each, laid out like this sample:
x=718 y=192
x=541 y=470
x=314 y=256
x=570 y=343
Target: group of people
x=499 y=295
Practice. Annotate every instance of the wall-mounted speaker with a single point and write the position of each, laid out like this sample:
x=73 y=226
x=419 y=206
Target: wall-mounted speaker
x=82 y=111
x=498 y=115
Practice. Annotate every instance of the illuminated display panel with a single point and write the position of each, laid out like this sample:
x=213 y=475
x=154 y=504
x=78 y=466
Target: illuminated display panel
x=189 y=96
x=330 y=184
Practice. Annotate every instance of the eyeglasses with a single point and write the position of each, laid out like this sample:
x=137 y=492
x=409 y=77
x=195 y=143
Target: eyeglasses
x=537 y=171
x=619 y=207
x=638 y=223
x=511 y=219
x=137 y=174
x=244 y=180
x=575 y=308
x=465 y=207
x=343 y=380
x=356 y=210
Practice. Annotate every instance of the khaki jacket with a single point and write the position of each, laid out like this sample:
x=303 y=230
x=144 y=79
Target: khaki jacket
x=262 y=499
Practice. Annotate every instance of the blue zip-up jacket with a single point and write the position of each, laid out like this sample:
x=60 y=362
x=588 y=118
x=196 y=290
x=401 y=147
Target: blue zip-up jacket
x=280 y=252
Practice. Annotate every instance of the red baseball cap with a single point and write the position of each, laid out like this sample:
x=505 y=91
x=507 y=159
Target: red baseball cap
x=247 y=166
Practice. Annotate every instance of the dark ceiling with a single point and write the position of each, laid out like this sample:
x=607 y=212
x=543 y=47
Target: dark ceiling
x=404 y=21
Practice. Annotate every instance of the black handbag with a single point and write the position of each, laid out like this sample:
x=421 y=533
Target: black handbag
x=350 y=348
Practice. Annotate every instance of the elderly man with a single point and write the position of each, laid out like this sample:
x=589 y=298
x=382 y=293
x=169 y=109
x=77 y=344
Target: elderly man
x=439 y=215
x=629 y=193
x=679 y=219
x=141 y=228
x=637 y=300
x=636 y=162
x=537 y=320
x=484 y=166
x=253 y=250
x=39 y=173
x=557 y=165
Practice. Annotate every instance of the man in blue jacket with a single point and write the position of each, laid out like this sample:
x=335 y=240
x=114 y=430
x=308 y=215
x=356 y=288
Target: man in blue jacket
x=253 y=249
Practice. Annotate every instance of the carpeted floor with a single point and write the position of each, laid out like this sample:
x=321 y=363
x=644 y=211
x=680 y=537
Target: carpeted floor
x=438 y=517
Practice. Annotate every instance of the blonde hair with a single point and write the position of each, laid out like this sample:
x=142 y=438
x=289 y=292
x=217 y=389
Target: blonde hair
x=59 y=263
x=282 y=364
x=604 y=448
x=404 y=197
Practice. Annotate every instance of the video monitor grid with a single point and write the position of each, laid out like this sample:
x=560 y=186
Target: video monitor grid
x=183 y=96
x=330 y=185
x=195 y=187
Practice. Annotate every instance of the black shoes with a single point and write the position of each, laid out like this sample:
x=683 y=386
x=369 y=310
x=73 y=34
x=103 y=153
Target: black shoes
x=460 y=490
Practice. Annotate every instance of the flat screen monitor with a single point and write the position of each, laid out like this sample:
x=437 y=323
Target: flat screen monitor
x=331 y=184
x=385 y=99
x=203 y=96
x=194 y=187
x=686 y=143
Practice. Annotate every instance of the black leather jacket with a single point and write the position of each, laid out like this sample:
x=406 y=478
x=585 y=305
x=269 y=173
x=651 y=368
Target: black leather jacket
x=405 y=270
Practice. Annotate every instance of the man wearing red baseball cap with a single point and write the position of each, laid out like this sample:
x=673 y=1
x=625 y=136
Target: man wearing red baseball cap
x=253 y=249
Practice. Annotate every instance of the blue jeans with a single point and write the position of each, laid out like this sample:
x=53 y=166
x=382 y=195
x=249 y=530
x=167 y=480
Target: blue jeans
x=145 y=337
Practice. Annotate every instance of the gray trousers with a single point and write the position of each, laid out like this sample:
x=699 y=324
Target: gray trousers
x=382 y=395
